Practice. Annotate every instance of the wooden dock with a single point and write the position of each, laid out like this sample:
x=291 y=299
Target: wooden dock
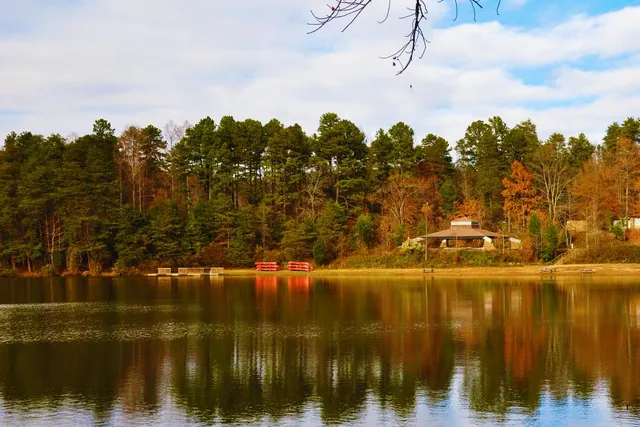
x=189 y=272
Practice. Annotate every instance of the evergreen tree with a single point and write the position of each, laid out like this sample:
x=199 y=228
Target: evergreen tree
x=434 y=157
x=240 y=252
x=449 y=194
x=342 y=146
x=330 y=225
x=365 y=230
x=535 y=233
x=403 y=155
x=380 y=157
x=520 y=144
x=580 y=150
x=630 y=129
x=166 y=230
x=550 y=247
x=131 y=239
x=488 y=167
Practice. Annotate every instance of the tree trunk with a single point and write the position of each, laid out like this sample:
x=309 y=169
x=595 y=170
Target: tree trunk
x=626 y=206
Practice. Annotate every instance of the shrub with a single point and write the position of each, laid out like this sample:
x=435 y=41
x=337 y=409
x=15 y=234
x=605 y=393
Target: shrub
x=618 y=231
x=411 y=247
x=8 y=272
x=320 y=253
x=476 y=258
x=608 y=252
x=49 y=270
x=398 y=235
x=550 y=247
x=239 y=252
x=364 y=229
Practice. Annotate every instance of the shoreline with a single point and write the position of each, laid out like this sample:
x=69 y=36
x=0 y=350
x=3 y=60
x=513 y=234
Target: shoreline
x=519 y=271
x=609 y=270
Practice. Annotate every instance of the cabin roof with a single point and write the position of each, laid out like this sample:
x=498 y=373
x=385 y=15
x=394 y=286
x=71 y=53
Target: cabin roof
x=465 y=219
x=463 y=233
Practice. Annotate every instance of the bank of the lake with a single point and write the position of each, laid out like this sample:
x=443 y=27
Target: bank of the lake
x=527 y=270
x=620 y=269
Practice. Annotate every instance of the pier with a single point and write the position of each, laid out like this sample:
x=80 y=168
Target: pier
x=188 y=271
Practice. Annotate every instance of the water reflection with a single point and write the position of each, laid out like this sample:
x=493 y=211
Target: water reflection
x=319 y=351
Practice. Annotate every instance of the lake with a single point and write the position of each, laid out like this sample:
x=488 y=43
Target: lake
x=319 y=351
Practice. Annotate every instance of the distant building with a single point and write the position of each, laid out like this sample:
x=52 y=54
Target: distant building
x=465 y=233
x=632 y=223
x=576 y=226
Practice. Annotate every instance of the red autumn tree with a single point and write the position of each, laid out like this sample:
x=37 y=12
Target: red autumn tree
x=520 y=196
x=595 y=194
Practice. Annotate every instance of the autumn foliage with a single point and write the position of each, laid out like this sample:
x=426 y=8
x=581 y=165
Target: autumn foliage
x=520 y=196
x=230 y=191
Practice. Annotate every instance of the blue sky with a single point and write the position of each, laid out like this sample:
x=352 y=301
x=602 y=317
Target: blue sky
x=569 y=66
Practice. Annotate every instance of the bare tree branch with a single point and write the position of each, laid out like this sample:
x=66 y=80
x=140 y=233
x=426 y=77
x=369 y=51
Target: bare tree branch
x=342 y=9
x=416 y=40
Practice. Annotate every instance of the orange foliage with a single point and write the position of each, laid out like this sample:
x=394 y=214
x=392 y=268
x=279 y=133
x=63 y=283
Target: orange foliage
x=470 y=208
x=594 y=191
x=634 y=236
x=528 y=252
x=403 y=196
x=520 y=196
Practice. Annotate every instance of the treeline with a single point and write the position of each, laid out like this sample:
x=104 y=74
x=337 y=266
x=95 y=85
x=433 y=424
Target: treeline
x=231 y=192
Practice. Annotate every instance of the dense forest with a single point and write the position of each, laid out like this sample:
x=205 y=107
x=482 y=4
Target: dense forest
x=232 y=192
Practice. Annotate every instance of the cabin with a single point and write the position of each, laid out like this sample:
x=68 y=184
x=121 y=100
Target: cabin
x=629 y=223
x=465 y=233
x=576 y=226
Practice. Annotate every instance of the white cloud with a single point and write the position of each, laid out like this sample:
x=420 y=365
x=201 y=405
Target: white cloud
x=131 y=63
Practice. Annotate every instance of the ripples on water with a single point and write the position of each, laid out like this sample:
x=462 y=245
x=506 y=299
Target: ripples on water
x=318 y=352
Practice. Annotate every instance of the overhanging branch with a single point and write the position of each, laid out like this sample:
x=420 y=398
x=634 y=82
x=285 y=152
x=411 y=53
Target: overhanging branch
x=416 y=40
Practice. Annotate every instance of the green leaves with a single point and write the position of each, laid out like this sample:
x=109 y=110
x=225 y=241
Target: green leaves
x=230 y=189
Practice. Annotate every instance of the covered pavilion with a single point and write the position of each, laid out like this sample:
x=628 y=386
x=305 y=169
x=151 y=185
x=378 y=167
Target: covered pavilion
x=465 y=233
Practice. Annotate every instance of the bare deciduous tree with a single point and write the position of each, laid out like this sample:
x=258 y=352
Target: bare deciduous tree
x=313 y=188
x=416 y=41
x=72 y=137
x=628 y=162
x=132 y=154
x=553 y=177
x=173 y=133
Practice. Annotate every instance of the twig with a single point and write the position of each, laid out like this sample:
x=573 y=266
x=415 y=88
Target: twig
x=352 y=9
x=342 y=9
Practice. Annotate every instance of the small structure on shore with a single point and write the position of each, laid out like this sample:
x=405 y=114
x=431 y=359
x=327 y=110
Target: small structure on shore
x=465 y=233
x=188 y=271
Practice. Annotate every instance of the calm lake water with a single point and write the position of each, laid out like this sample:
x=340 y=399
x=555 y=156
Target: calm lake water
x=319 y=351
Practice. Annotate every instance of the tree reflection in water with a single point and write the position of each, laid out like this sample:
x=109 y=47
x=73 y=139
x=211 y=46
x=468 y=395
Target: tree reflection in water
x=239 y=350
